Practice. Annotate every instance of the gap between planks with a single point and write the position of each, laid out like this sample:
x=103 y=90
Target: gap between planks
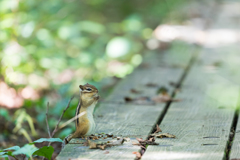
x=232 y=132
x=174 y=93
x=178 y=86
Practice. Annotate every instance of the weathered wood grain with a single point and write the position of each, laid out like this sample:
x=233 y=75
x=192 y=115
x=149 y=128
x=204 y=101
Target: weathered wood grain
x=234 y=75
x=202 y=120
x=132 y=120
x=230 y=55
x=235 y=148
x=210 y=94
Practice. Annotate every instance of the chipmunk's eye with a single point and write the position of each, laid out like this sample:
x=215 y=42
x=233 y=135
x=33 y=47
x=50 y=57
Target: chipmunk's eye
x=89 y=89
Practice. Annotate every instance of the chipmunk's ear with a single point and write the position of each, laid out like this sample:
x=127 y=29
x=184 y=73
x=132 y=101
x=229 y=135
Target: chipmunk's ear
x=81 y=87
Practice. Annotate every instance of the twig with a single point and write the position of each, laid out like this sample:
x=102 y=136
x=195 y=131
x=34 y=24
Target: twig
x=47 y=121
x=56 y=128
x=72 y=119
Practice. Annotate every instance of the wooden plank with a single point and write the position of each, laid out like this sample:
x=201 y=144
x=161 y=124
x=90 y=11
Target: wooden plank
x=202 y=120
x=235 y=148
x=230 y=19
x=210 y=95
x=233 y=64
x=132 y=120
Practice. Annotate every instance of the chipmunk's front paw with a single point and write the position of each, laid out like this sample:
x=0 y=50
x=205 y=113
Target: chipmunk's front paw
x=66 y=140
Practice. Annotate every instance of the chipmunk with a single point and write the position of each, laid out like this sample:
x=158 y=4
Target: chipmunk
x=85 y=124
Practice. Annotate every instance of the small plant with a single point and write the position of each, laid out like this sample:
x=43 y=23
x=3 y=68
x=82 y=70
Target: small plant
x=22 y=116
x=29 y=150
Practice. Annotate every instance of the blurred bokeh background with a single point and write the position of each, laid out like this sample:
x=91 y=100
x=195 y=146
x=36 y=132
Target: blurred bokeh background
x=48 y=48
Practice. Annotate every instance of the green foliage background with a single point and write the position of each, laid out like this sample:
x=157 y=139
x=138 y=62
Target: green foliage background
x=53 y=46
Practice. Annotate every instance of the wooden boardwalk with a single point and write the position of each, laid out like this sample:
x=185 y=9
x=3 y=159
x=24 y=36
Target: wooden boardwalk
x=205 y=121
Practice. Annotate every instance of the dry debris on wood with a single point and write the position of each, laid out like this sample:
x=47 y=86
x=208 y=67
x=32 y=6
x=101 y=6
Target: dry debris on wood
x=126 y=139
x=135 y=91
x=151 y=85
x=157 y=129
x=92 y=144
x=140 y=100
x=138 y=155
x=143 y=143
x=128 y=99
x=99 y=136
x=173 y=84
x=103 y=145
x=162 y=97
x=163 y=135
x=101 y=141
x=150 y=141
x=162 y=90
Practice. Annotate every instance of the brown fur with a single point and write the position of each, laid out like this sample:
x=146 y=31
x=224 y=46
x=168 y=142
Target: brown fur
x=83 y=126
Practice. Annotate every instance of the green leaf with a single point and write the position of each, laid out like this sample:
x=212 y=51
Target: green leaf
x=4 y=113
x=6 y=154
x=2 y=154
x=47 y=140
x=15 y=148
x=45 y=152
x=28 y=150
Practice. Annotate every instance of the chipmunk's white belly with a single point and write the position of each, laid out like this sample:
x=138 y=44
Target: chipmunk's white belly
x=92 y=124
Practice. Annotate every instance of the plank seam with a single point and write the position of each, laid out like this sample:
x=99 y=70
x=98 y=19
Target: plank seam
x=232 y=131
x=179 y=84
